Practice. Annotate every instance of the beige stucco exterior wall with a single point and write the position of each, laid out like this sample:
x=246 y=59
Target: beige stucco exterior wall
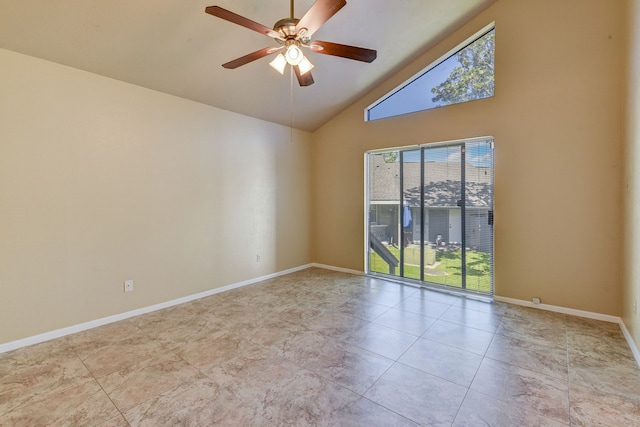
x=631 y=184
x=557 y=122
x=102 y=181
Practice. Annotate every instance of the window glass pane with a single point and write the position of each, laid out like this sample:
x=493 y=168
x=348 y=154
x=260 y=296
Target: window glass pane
x=466 y=75
x=384 y=193
x=442 y=191
x=479 y=208
x=411 y=220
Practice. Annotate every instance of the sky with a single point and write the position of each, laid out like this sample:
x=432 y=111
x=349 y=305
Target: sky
x=416 y=95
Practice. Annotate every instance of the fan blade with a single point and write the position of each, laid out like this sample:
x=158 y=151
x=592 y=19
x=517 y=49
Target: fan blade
x=318 y=14
x=250 y=57
x=343 y=50
x=305 y=79
x=241 y=20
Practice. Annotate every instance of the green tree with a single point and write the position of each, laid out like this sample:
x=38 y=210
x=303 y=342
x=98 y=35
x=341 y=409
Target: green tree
x=390 y=157
x=473 y=77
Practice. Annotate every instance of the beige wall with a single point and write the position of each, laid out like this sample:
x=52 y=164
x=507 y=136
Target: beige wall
x=102 y=181
x=631 y=291
x=556 y=119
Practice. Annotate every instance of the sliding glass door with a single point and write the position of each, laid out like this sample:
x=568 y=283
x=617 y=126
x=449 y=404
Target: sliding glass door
x=430 y=214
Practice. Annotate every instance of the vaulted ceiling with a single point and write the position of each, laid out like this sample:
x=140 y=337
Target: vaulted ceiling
x=174 y=47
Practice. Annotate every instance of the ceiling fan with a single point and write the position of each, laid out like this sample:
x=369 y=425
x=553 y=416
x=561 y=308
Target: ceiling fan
x=292 y=34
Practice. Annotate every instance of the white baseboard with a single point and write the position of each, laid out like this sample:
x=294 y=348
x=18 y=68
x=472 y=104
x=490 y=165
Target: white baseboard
x=12 y=345
x=338 y=269
x=632 y=344
x=559 y=309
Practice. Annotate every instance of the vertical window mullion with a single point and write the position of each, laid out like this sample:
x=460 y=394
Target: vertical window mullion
x=463 y=214
x=400 y=214
x=422 y=221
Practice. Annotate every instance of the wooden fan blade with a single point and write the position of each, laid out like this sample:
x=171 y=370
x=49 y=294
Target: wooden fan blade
x=318 y=14
x=343 y=50
x=241 y=20
x=250 y=57
x=305 y=79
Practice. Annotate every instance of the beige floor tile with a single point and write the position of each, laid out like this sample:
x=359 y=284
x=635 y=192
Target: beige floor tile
x=405 y=321
x=35 y=373
x=118 y=355
x=172 y=331
x=37 y=354
x=530 y=355
x=592 y=326
x=552 y=333
x=421 y=397
x=534 y=316
x=528 y=390
x=381 y=340
x=336 y=324
x=449 y=363
x=140 y=382
x=437 y=296
x=492 y=307
x=423 y=306
x=365 y=413
x=482 y=410
x=195 y=403
x=382 y=297
x=607 y=376
x=590 y=407
x=118 y=421
x=360 y=309
x=85 y=404
x=310 y=400
x=92 y=339
x=213 y=350
x=349 y=366
x=459 y=336
x=473 y=318
x=388 y=286
x=601 y=347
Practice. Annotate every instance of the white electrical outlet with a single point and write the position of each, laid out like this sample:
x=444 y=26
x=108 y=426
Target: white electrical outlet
x=128 y=285
x=536 y=300
x=257 y=257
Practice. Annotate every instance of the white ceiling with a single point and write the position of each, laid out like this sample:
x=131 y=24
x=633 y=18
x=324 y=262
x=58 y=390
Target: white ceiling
x=173 y=46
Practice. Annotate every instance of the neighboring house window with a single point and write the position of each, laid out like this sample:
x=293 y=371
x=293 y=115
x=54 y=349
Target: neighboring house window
x=465 y=73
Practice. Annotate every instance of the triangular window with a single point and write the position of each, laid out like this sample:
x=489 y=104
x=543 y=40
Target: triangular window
x=466 y=73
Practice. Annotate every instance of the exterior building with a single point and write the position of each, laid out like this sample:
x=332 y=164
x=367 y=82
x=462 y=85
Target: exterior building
x=442 y=196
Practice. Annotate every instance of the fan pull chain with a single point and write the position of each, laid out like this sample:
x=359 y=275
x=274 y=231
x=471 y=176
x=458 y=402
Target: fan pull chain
x=291 y=102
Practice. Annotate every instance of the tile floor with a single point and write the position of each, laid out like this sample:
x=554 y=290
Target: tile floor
x=330 y=349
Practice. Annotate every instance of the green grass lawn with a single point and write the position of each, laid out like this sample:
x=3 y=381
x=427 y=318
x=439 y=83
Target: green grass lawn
x=447 y=270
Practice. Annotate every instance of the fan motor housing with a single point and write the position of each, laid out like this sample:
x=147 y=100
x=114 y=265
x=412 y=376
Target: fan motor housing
x=286 y=27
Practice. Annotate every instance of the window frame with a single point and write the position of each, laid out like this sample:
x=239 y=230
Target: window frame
x=477 y=35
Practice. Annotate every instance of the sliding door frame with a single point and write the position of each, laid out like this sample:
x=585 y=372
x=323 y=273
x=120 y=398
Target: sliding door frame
x=462 y=143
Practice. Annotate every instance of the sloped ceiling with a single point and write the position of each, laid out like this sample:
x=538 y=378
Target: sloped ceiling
x=173 y=46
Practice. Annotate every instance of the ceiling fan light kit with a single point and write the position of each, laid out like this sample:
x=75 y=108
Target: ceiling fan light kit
x=294 y=55
x=279 y=63
x=293 y=34
x=305 y=65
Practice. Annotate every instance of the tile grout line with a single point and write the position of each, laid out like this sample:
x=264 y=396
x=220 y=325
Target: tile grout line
x=568 y=373
x=99 y=385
